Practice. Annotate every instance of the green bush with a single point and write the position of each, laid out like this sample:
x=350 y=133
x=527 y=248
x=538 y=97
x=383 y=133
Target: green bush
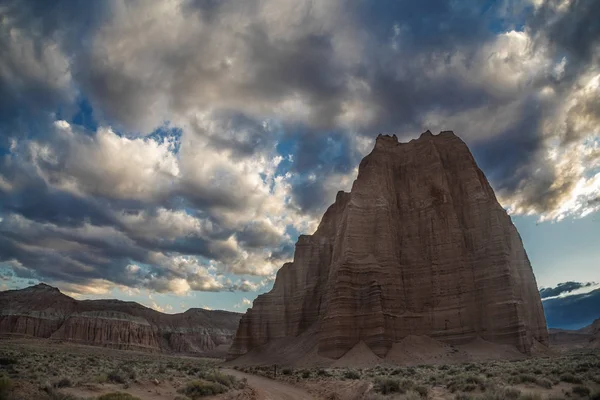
x=422 y=390
x=201 y=388
x=581 y=390
x=118 y=396
x=411 y=395
x=8 y=361
x=218 y=377
x=115 y=376
x=545 y=383
x=463 y=396
x=5 y=387
x=388 y=385
x=526 y=378
x=63 y=383
x=530 y=396
x=351 y=374
x=570 y=378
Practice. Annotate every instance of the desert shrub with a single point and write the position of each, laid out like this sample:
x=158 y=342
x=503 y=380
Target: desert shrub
x=351 y=374
x=305 y=374
x=323 y=372
x=388 y=385
x=221 y=378
x=118 y=396
x=466 y=383
x=502 y=393
x=200 y=388
x=469 y=387
x=526 y=378
x=530 y=396
x=595 y=396
x=545 y=383
x=8 y=361
x=411 y=395
x=463 y=396
x=581 y=390
x=471 y=367
x=52 y=394
x=396 y=371
x=474 y=379
x=570 y=378
x=287 y=371
x=63 y=383
x=101 y=378
x=422 y=391
x=5 y=387
x=129 y=371
x=115 y=376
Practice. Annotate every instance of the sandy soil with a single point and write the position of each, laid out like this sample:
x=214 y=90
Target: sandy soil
x=268 y=389
x=145 y=391
x=360 y=356
x=412 y=350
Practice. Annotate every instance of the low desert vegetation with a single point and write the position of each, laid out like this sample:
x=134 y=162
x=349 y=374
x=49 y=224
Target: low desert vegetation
x=58 y=372
x=572 y=376
x=118 y=396
x=34 y=370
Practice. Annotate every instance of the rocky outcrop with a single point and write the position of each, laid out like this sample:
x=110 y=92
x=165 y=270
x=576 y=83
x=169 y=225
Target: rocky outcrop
x=595 y=332
x=420 y=246
x=43 y=311
x=586 y=337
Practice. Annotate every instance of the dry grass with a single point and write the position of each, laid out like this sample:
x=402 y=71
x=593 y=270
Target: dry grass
x=573 y=376
x=34 y=370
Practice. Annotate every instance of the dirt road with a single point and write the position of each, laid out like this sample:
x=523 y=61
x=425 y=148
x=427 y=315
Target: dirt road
x=268 y=389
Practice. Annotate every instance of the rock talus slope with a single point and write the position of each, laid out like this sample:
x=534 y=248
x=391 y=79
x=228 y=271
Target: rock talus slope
x=43 y=311
x=420 y=246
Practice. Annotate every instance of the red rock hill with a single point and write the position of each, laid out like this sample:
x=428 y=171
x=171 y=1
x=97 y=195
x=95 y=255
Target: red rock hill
x=420 y=246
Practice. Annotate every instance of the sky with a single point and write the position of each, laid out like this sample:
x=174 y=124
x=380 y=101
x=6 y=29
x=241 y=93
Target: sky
x=171 y=152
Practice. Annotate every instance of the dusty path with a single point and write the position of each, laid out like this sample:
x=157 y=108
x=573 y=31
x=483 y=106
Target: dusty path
x=268 y=389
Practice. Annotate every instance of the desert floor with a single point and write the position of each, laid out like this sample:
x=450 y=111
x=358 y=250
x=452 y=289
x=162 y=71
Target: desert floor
x=35 y=369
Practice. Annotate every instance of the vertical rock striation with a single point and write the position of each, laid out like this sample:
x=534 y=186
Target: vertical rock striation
x=44 y=312
x=420 y=246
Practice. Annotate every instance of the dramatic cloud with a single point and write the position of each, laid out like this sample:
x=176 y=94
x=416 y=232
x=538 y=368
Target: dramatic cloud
x=563 y=288
x=182 y=145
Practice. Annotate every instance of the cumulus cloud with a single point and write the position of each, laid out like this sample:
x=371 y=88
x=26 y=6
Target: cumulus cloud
x=244 y=303
x=182 y=145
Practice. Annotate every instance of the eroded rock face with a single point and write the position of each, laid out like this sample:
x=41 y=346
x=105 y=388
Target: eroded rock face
x=43 y=311
x=419 y=247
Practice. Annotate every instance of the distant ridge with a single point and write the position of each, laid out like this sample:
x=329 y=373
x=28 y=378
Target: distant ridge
x=42 y=311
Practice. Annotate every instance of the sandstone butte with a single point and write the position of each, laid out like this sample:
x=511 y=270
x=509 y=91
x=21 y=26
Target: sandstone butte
x=42 y=311
x=420 y=246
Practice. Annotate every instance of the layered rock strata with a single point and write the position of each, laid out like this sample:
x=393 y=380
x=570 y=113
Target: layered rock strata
x=420 y=246
x=44 y=312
